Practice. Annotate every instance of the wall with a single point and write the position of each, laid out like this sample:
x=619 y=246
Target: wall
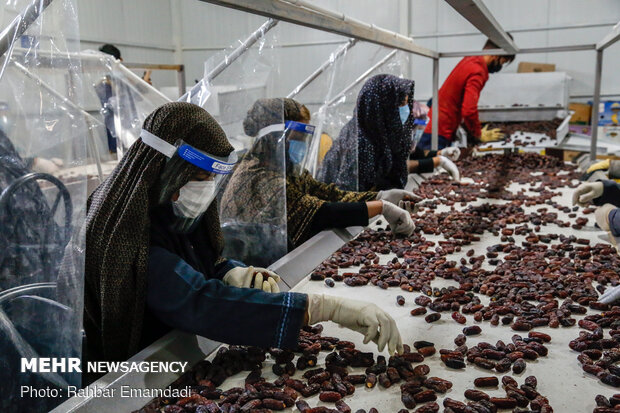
x=141 y=29
x=433 y=23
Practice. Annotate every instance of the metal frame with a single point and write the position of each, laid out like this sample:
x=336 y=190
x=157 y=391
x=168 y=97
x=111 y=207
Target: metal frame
x=332 y=58
x=307 y=14
x=478 y=15
x=230 y=58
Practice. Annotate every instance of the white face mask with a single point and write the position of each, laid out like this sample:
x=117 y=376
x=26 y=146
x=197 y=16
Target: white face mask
x=194 y=198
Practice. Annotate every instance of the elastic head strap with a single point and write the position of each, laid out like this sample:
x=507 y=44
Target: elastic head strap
x=157 y=143
x=278 y=127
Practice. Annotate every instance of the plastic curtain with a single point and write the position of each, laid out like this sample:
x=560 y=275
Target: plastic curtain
x=43 y=142
x=253 y=204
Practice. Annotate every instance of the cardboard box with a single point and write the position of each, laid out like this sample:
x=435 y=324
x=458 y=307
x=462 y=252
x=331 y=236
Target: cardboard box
x=582 y=113
x=609 y=113
x=528 y=67
x=609 y=132
x=582 y=129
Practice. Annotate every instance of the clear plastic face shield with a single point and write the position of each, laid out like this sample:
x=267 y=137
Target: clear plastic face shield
x=298 y=137
x=197 y=194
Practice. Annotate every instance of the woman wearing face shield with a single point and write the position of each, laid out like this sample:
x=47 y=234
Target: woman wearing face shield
x=311 y=206
x=153 y=253
x=372 y=150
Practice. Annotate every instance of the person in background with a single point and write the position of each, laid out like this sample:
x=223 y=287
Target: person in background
x=372 y=149
x=109 y=101
x=311 y=206
x=606 y=195
x=153 y=253
x=458 y=99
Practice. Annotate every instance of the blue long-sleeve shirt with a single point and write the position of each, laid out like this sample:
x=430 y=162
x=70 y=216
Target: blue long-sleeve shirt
x=611 y=195
x=184 y=298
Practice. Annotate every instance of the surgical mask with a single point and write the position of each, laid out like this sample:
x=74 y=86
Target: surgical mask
x=296 y=151
x=194 y=198
x=404 y=112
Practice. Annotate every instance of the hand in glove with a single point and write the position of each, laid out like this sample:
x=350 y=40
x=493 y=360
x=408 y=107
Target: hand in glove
x=400 y=220
x=599 y=166
x=451 y=152
x=491 y=135
x=603 y=216
x=450 y=167
x=366 y=318
x=44 y=166
x=396 y=195
x=586 y=192
x=610 y=296
x=244 y=277
x=58 y=162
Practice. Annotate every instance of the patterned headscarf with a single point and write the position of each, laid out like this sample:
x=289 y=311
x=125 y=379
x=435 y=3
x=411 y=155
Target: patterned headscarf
x=382 y=141
x=117 y=227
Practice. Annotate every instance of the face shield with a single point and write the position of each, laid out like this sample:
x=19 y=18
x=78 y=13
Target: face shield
x=298 y=137
x=197 y=194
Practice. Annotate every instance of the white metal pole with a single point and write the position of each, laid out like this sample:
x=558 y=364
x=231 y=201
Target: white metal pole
x=234 y=55
x=595 y=102
x=435 y=118
x=332 y=58
x=362 y=77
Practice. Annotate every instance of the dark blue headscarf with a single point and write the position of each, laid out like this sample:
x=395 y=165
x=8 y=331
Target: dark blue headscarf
x=377 y=136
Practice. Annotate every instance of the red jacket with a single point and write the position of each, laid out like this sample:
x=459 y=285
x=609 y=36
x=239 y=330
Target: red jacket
x=458 y=98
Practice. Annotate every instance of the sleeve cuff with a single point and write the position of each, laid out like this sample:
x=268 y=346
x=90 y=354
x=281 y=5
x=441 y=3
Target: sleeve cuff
x=222 y=268
x=425 y=165
x=291 y=321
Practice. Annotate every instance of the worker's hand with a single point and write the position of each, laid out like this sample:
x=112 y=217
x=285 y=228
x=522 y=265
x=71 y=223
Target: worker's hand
x=400 y=220
x=599 y=166
x=44 y=166
x=450 y=167
x=363 y=317
x=586 y=192
x=491 y=135
x=396 y=195
x=610 y=296
x=603 y=216
x=251 y=277
x=451 y=152
x=58 y=162
x=409 y=206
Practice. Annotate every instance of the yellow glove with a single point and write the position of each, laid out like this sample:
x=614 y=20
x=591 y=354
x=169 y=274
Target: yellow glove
x=491 y=135
x=599 y=166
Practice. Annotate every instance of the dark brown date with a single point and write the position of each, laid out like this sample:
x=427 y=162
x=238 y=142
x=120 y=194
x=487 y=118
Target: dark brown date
x=329 y=396
x=476 y=395
x=472 y=330
x=431 y=318
x=490 y=381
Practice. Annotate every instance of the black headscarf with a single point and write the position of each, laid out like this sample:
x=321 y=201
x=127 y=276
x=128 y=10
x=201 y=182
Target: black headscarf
x=118 y=227
x=376 y=131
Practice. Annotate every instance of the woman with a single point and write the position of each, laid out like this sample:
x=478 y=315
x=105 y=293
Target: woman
x=373 y=147
x=311 y=206
x=153 y=253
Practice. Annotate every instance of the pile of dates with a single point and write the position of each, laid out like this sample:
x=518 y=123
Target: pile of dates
x=548 y=127
x=598 y=354
x=500 y=357
x=331 y=382
x=517 y=397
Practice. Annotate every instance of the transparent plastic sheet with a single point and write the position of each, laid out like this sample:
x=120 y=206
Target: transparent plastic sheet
x=253 y=203
x=342 y=83
x=43 y=133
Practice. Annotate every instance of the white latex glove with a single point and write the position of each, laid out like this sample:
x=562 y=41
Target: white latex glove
x=602 y=219
x=450 y=167
x=451 y=152
x=400 y=220
x=611 y=295
x=586 y=192
x=44 y=166
x=363 y=317
x=244 y=277
x=58 y=162
x=396 y=195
